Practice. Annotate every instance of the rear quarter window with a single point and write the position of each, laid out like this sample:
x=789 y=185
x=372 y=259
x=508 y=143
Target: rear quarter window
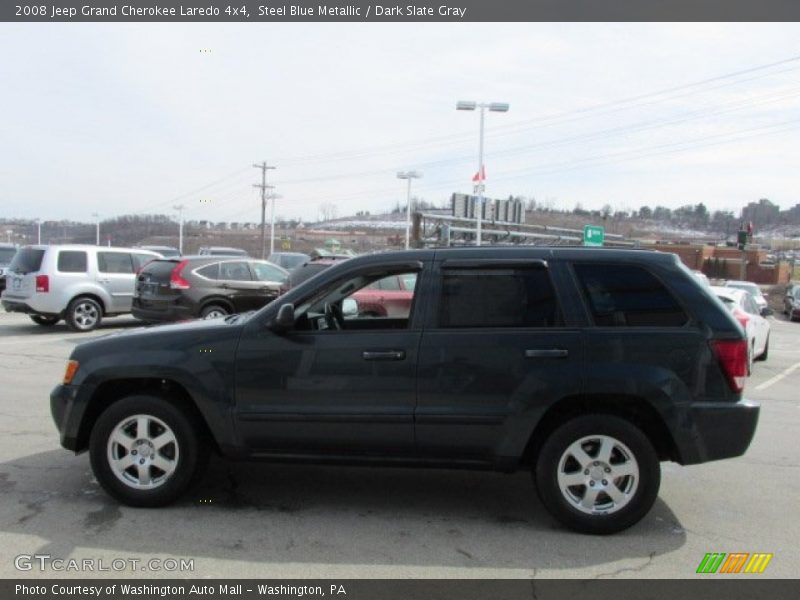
x=72 y=261
x=627 y=296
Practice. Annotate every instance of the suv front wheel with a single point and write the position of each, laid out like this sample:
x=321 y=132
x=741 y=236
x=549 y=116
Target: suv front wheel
x=145 y=451
x=598 y=474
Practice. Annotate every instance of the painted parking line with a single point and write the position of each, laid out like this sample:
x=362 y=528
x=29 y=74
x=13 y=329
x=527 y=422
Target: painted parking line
x=782 y=375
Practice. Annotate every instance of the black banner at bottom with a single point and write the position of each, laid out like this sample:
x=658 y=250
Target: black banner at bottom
x=400 y=589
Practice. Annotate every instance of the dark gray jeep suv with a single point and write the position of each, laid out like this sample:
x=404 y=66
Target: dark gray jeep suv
x=585 y=366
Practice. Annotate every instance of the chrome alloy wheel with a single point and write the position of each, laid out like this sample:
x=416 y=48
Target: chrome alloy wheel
x=142 y=452
x=215 y=313
x=598 y=475
x=86 y=315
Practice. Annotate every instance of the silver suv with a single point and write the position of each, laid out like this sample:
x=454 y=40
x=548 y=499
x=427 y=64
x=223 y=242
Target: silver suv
x=81 y=284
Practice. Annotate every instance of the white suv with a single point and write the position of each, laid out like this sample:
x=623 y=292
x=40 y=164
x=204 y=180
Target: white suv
x=81 y=284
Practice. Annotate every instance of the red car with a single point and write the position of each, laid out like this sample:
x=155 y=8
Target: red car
x=387 y=297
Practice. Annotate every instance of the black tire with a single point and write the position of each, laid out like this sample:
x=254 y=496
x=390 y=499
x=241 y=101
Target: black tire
x=44 y=321
x=642 y=497
x=192 y=455
x=84 y=314
x=214 y=308
x=765 y=354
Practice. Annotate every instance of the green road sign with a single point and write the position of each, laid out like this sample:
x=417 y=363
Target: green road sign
x=593 y=235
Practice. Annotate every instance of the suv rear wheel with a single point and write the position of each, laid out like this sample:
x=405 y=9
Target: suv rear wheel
x=145 y=451
x=84 y=314
x=44 y=321
x=212 y=311
x=597 y=474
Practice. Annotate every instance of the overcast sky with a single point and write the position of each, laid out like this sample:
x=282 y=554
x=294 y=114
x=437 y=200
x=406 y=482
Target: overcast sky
x=119 y=119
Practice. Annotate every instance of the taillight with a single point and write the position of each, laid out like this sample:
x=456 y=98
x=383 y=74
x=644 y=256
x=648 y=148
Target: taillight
x=176 y=282
x=732 y=357
x=42 y=283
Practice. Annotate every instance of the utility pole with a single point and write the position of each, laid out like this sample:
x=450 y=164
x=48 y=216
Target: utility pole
x=180 y=208
x=97 y=228
x=264 y=187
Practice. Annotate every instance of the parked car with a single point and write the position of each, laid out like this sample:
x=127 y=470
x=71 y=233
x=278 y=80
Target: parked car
x=221 y=251
x=165 y=251
x=387 y=297
x=7 y=252
x=791 y=302
x=288 y=260
x=77 y=283
x=743 y=306
x=307 y=270
x=172 y=289
x=586 y=366
x=750 y=288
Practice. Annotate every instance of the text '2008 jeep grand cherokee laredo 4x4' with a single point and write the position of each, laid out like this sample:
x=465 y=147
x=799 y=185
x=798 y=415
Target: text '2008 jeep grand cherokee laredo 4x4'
x=587 y=366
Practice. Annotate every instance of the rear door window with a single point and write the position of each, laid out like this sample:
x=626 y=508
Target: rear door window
x=72 y=261
x=497 y=297
x=234 y=271
x=114 y=262
x=628 y=296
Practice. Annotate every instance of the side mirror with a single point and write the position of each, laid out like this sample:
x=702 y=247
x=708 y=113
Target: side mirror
x=766 y=311
x=284 y=321
x=349 y=307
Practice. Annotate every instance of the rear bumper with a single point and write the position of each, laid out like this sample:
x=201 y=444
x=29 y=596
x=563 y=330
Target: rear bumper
x=24 y=307
x=67 y=405
x=719 y=430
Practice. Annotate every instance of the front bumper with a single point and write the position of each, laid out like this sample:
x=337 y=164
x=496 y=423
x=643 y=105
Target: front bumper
x=67 y=405
x=719 y=430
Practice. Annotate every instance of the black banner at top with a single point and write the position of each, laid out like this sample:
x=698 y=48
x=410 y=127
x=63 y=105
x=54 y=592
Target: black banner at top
x=265 y=11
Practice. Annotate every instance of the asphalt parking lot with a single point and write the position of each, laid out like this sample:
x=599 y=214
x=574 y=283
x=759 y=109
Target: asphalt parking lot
x=263 y=520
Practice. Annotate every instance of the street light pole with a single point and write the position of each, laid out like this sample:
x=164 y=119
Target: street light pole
x=493 y=107
x=180 y=208
x=408 y=176
x=38 y=231
x=97 y=228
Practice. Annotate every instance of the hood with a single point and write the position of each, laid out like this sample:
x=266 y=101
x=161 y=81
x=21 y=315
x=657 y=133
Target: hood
x=184 y=333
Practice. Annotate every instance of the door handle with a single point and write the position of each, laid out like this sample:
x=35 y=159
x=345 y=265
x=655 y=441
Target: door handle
x=383 y=355
x=224 y=286
x=548 y=353
x=104 y=281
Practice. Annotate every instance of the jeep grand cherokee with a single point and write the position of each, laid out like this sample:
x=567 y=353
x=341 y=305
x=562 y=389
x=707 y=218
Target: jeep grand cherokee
x=585 y=366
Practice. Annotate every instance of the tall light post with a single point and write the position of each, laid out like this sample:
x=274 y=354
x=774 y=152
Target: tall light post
x=493 y=107
x=38 y=231
x=273 y=197
x=408 y=176
x=180 y=208
x=97 y=228
x=8 y=235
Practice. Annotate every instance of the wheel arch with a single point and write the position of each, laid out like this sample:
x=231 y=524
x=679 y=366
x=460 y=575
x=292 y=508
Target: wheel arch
x=97 y=298
x=111 y=391
x=635 y=409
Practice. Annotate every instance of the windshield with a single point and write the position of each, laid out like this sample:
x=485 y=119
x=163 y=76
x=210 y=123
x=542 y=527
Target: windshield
x=747 y=287
x=27 y=260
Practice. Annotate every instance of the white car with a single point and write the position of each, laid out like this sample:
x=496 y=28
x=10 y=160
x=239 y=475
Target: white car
x=752 y=289
x=743 y=306
x=79 y=283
